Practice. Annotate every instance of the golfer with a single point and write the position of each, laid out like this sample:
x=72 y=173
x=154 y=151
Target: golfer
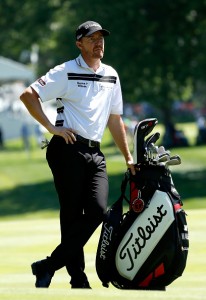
x=88 y=98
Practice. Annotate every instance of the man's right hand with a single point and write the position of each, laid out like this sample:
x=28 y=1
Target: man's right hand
x=67 y=133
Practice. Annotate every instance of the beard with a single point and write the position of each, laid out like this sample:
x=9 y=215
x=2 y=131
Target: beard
x=98 y=53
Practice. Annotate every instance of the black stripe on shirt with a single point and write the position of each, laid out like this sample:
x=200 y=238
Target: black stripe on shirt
x=59 y=123
x=60 y=109
x=92 y=77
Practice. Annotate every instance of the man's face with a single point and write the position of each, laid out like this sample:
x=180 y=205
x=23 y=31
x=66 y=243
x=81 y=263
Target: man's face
x=92 y=46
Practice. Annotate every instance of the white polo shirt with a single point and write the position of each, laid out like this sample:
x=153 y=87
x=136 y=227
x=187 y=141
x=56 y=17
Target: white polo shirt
x=85 y=98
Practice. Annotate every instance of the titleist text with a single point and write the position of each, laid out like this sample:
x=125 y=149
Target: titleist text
x=135 y=243
x=106 y=239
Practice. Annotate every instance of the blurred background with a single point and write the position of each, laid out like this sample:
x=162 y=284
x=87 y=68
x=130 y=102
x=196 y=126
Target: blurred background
x=159 y=50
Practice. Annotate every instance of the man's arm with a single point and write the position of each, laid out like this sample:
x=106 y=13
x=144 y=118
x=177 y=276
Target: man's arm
x=30 y=98
x=117 y=129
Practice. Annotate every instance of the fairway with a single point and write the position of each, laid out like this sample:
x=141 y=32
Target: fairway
x=29 y=228
x=28 y=239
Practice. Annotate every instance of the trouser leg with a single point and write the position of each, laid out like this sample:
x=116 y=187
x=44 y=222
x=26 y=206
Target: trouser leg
x=83 y=199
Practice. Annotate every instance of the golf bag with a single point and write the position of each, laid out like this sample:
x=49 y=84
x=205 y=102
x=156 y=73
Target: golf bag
x=146 y=247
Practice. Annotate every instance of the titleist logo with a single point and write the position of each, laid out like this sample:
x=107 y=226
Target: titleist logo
x=144 y=234
x=106 y=239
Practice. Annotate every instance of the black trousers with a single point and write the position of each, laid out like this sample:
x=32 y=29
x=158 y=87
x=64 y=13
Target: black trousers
x=81 y=183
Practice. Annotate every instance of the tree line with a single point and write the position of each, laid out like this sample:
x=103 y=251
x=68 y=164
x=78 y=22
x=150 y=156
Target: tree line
x=158 y=47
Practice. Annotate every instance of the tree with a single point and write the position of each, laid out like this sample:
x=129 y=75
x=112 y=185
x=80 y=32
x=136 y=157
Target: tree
x=159 y=50
x=23 y=23
x=158 y=47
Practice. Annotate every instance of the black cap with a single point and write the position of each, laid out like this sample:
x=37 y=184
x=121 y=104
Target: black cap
x=89 y=27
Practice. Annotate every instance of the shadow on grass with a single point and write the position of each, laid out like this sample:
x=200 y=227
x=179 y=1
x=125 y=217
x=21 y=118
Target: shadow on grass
x=32 y=198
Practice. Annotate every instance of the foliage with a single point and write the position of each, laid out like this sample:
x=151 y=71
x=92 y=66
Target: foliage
x=158 y=47
x=24 y=23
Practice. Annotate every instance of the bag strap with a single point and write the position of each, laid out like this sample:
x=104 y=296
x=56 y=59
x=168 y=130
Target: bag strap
x=123 y=188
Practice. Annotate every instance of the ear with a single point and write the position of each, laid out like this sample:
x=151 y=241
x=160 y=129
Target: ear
x=79 y=44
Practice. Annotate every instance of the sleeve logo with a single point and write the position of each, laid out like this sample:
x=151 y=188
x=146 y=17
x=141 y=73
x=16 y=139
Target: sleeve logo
x=41 y=82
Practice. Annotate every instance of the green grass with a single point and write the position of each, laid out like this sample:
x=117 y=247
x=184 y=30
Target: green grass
x=26 y=240
x=26 y=183
x=29 y=226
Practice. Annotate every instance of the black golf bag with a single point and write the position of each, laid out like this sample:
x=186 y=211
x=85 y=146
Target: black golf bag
x=146 y=246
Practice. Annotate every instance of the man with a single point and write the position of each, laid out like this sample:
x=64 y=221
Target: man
x=88 y=96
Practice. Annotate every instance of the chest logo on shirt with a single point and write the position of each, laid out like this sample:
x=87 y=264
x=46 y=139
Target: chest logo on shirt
x=82 y=84
x=42 y=82
x=105 y=87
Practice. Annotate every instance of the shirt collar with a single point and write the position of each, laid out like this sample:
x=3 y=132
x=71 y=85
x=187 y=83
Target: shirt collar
x=80 y=61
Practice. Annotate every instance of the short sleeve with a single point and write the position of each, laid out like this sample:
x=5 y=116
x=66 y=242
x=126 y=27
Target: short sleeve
x=53 y=84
